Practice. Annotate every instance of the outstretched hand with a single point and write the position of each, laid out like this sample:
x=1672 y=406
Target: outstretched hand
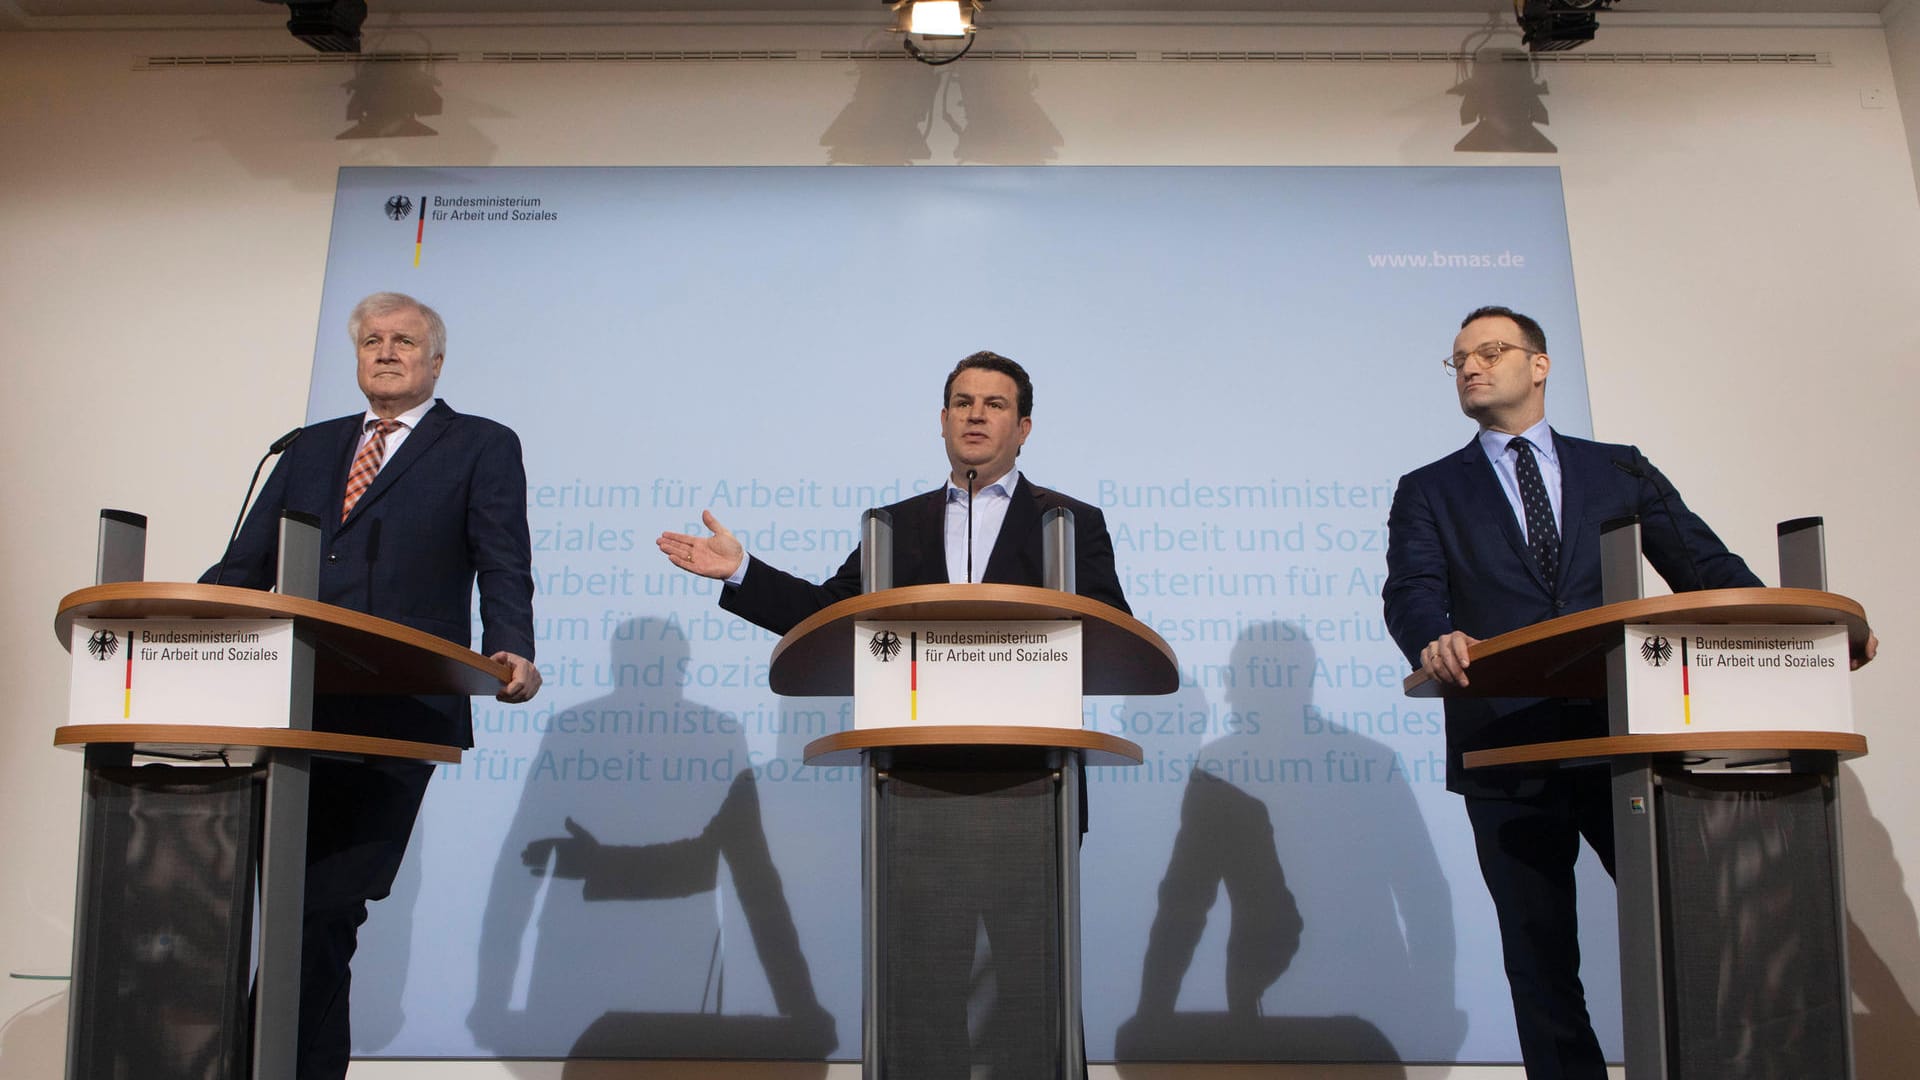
x=716 y=556
x=572 y=855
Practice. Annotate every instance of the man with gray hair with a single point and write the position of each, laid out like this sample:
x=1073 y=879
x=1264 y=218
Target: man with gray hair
x=417 y=504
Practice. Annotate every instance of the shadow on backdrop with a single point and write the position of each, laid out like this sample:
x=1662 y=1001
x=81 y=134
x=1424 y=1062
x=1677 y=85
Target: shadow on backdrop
x=296 y=115
x=989 y=107
x=887 y=121
x=565 y=973
x=1364 y=926
x=1886 y=1030
x=1500 y=93
x=387 y=96
x=999 y=121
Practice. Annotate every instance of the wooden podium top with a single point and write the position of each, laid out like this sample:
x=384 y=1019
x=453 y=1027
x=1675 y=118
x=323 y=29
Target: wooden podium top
x=197 y=741
x=354 y=653
x=1566 y=657
x=849 y=747
x=1122 y=655
x=1729 y=748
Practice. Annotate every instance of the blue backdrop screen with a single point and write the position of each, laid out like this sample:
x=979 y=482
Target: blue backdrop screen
x=1236 y=363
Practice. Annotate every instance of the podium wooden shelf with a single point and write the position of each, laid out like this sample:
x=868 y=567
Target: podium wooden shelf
x=1122 y=655
x=1728 y=749
x=197 y=740
x=354 y=653
x=1566 y=657
x=850 y=747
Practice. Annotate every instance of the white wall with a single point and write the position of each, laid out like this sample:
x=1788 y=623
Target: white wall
x=1746 y=239
x=1902 y=21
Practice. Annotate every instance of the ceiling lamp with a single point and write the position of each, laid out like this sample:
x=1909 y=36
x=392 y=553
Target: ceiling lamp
x=1552 y=25
x=934 y=20
x=326 y=25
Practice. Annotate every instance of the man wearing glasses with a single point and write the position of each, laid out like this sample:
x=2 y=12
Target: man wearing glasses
x=1493 y=537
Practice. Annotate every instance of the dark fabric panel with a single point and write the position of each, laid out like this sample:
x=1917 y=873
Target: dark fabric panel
x=1753 y=935
x=160 y=987
x=970 y=929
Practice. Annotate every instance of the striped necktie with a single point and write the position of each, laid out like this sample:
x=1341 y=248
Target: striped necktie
x=366 y=464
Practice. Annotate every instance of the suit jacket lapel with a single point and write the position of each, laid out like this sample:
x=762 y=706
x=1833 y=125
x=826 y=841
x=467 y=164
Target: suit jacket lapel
x=928 y=521
x=1022 y=523
x=1575 y=481
x=1488 y=502
x=419 y=441
x=347 y=444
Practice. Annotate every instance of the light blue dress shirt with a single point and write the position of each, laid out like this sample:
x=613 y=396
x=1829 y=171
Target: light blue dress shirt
x=1545 y=454
x=989 y=513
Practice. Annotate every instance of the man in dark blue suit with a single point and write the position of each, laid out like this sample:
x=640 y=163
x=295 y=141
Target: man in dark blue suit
x=1499 y=535
x=417 y=504
x=986 y=414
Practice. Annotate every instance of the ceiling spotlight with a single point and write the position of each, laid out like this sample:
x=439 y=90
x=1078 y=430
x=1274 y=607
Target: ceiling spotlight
x=1550 y=25
x=934 y=19
x=326 y=25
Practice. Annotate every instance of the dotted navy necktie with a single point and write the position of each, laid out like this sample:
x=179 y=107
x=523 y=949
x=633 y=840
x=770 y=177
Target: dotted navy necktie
x=1543 y=539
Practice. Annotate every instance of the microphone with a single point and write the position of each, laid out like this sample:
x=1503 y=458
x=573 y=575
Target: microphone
x=279 y=446
x=972 y=475
x=1652 y=476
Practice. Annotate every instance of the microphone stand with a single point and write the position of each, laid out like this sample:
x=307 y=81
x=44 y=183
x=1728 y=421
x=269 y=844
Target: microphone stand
x=279 y=445
x=972 y=474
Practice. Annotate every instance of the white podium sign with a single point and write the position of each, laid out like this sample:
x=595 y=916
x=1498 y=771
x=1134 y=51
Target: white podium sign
x=234 y=672
x=1737 y=678
x=908 y=673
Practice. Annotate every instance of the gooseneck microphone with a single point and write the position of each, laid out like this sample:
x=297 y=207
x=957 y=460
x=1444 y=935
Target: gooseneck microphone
x=1652 y=476
x=972 y=474
x=279 y=446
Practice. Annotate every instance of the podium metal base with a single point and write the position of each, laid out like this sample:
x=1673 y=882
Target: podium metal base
x=971 y=907
x=161 y=965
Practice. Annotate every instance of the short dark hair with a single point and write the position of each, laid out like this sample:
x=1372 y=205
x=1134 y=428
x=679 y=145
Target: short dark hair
x=993 y=361
x=1536 y=338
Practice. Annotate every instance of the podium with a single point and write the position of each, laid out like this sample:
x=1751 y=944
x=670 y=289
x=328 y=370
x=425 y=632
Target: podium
x=971 y=840
x=163 y=923
x=1728 y=868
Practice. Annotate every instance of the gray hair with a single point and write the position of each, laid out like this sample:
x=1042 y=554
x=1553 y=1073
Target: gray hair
x=386 y=303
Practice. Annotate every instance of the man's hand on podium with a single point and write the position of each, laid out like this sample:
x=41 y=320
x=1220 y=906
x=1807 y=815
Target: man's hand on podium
x=1445 y=657
x=1867 y=654
x=716 y=556
x=525 y=681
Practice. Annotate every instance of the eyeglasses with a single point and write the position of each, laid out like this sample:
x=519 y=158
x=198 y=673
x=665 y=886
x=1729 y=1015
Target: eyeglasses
x=1489 y=355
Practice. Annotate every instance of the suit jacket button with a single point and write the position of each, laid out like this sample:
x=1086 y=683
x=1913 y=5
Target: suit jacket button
x=1558 y=605
x=331 y=557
